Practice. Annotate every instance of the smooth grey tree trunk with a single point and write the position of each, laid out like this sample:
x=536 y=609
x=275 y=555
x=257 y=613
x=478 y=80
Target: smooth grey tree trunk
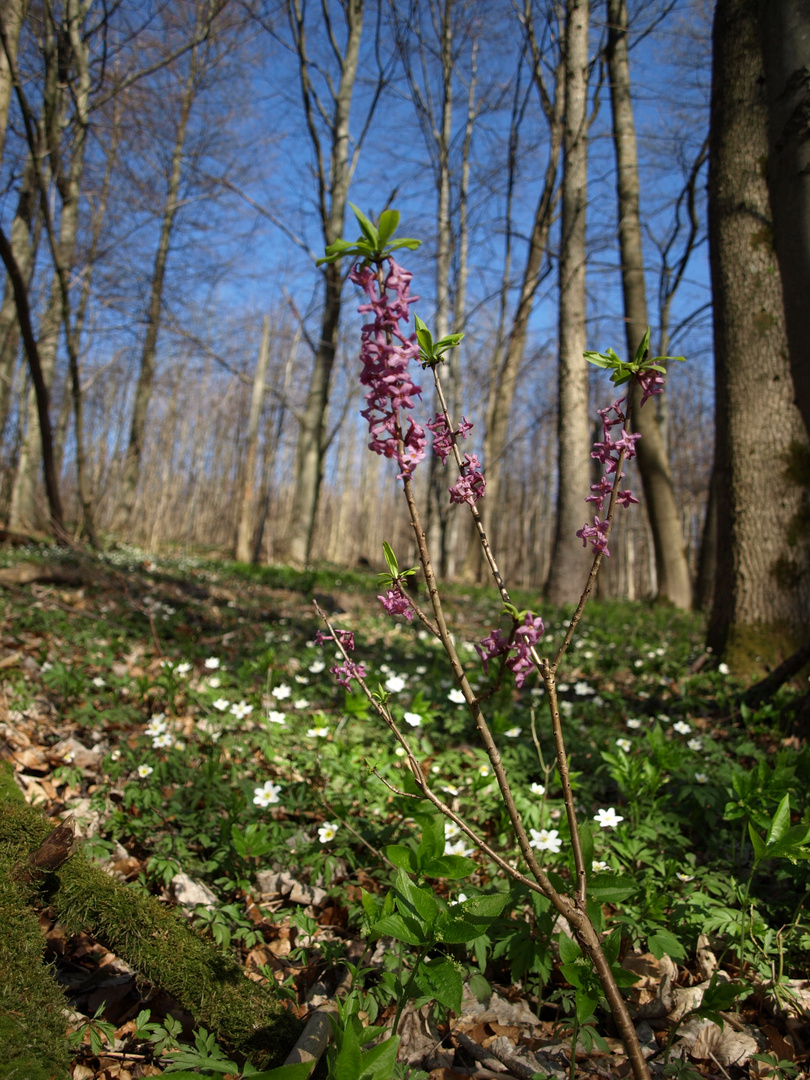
x=570 y=562
x=143 y=391
x=23 y=240
x=12 y=15
x=761 y=609
x=504 y=373
x=672 y=569
x=244 y=531
x=785 y=39
x=26 y=512
x=333 y=194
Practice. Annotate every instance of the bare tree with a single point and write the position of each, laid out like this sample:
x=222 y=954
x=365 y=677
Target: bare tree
x=244 y=529
x=198 y=67
x=547 y=74
x=762 y=594
x=11 y=20
x=438 y=45
x=569 y=562
x=327 y=119
x=672 y=568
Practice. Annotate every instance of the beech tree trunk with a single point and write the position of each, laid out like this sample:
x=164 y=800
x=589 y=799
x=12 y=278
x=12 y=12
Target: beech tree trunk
x=244 y=531
x=785 y=39
x=11 y=20
x=146 y=376
x=672 y=568
x=570 y=562
x=333 y=191
x=506 y=365
x=761 y=608
x=23 y=243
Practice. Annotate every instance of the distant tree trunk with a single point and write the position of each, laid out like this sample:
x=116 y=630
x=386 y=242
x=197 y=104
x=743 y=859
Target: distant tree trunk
x=23 y=242
x=672 y=568
x=40 y=387
x=244 y=530
x=506 y=365
x=785 y=38
x=146 y=377
x=707 y=557
x=65 y=50
x=569 y=560
x=11 y=20
x=761 y=606
x=333 y=193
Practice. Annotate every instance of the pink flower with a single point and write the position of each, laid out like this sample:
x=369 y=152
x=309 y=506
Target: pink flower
x=525 y=637
x=651 y=382
x=396 y=602
x=345 y=637
x=608 y=452
x=346 y=671
x=385 y=354
x=470 y=485
x=442 y=438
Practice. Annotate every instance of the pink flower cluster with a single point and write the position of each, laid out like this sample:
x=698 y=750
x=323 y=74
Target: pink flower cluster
x=396 y=602
x=346 y=670
x=651 y=382
x=385 y=354
x=442 y=437
x=608 y=452
x=521 y=643
x=470 y=485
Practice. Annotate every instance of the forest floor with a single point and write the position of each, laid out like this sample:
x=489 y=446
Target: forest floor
x=179 y=712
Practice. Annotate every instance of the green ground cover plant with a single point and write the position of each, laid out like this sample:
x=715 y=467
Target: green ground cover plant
x=412 y=815
x=260 y=761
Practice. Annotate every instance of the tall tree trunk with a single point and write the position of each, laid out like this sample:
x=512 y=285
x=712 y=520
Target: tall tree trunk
x=439 y=516
x=23 y=242
x=72 y=52
x=333 y=194
x=762 y=594
x=503 y=378
x=40 y=387
x=146 y=376
x=570 y=562
x=11 y=19
x=672 y=568
x=244 y=530
x=785 y=38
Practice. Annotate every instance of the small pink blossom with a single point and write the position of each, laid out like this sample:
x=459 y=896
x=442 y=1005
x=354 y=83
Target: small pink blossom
x=470 y=485
x=396 y=602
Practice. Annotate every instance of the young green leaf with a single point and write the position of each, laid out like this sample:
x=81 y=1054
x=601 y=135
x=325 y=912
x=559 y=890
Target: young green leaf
x=390 y=560
x=369 y=231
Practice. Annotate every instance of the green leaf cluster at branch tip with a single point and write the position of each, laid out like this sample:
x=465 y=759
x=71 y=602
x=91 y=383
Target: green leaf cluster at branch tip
x=622 y=371
x=374 y=244
x=430 y=352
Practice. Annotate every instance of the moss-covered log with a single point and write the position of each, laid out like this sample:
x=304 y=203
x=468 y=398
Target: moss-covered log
x=155 y=941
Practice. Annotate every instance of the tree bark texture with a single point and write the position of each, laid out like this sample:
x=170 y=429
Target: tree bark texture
x=333 y=193
x=25 y=512
x=504 y=374
x=146 y=376
x=672 y=569
x=11 y=19
x=23 y=242
x=244 y=532
x=785 y=40
x=762 y=590
x=570 y=562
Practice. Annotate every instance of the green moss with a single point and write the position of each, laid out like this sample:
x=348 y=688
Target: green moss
x=32 y=1025
x=754 y=651
x=163 y=949
x=154 y=940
